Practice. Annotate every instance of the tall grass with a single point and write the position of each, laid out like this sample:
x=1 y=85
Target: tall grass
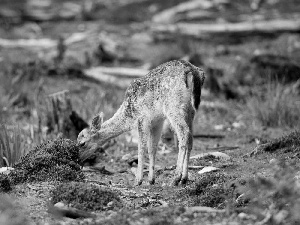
x=11 y=146
x=278 y=106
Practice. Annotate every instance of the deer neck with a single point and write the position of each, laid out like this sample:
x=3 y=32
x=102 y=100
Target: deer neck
x=115 y=126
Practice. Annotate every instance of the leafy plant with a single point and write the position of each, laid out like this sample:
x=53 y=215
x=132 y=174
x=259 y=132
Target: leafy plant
x=11 y=146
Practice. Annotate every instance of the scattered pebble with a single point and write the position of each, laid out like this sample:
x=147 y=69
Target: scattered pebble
x=163 y=203
x=219 y=127
x=133 y=170
x=60 y=205
x=110 y=204
x=273 y=161
x=126 y=157
x=6 y=170
x=245 y=216
x=208 y=169
x=238 y=124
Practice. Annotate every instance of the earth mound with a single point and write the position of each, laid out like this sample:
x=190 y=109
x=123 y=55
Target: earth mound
x=55 y=160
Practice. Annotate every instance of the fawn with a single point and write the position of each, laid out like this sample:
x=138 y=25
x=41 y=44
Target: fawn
x=171 y=91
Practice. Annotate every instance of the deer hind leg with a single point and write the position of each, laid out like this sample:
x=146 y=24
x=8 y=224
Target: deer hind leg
x=143 y=131
x=184 y=177
x=155 y=133
x=182 y=124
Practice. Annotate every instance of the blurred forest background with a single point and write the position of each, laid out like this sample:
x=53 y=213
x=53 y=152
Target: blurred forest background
x=250 y=51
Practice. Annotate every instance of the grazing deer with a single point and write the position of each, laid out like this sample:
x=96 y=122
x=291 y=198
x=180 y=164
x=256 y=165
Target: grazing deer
x=171 y=91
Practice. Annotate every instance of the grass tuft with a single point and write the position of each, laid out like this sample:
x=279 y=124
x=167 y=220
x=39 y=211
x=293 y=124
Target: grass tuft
x=11 y=146
x=278 y=107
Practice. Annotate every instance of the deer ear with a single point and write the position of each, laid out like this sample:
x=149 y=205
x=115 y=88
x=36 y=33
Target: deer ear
x=97 y=121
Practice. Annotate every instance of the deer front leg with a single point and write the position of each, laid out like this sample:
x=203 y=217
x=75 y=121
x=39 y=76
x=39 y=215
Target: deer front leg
x=142 y=146
x=154 y=137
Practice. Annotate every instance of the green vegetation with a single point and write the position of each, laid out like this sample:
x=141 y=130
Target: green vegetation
x=279 y=106
x=209 y=189
x=55 y=160
x=289 y=143
x=11 y=146
x=85 y=196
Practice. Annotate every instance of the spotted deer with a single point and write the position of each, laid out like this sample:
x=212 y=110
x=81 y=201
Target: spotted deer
x=170 y=92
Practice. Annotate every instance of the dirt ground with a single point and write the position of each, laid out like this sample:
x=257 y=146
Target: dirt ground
x=238 y=128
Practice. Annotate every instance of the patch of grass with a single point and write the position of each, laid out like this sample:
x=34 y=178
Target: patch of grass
x=289 y=143
x=11 y=146
x=210 y=189
x=277 y=107
x=85 y=196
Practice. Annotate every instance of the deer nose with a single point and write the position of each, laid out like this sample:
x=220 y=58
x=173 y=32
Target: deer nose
x=82 y=144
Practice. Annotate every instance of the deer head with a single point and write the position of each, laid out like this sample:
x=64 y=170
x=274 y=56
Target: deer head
x=89 y=136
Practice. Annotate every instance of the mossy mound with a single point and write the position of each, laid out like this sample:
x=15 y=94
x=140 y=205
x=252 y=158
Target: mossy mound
x=210 y=189
x=85 y=196
x=289 y=143
x=56 y=160
x=5 y=184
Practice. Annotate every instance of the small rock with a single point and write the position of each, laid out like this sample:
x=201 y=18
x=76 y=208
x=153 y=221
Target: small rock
x=238 y=124
x=6 y=170
x=163 y=203
x=244 y=216
x=133 y=170
x=110 y=204
x=273 y=161
x=126 y=157
x=219 y=127
x=208 y=169
x=60 y=205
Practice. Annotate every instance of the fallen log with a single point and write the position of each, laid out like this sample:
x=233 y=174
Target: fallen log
x=203 y=30
x=118 y=76
x=40 y=43
x=95 y=74
x=169 y=15
x=121 y=71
